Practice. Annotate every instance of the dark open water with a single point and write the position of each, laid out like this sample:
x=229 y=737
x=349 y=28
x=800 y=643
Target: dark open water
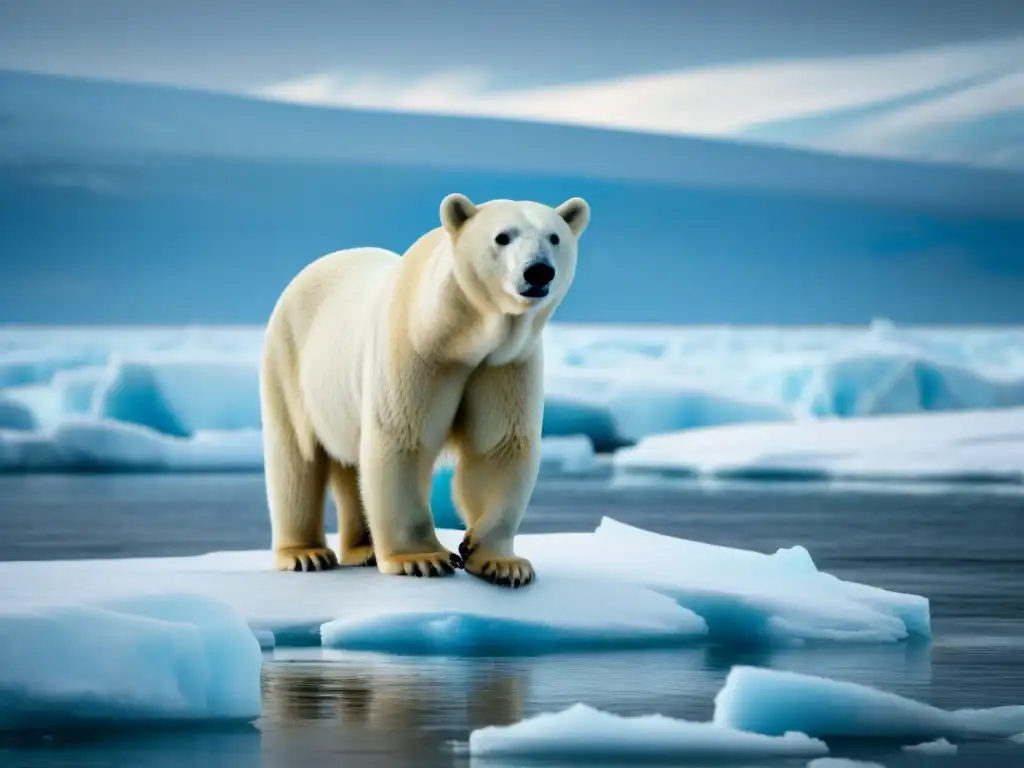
x=962 y=549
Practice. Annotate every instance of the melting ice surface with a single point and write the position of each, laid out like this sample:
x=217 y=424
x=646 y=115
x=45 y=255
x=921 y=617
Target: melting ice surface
x=774 y=702
x=187 y=398
x=585 y=734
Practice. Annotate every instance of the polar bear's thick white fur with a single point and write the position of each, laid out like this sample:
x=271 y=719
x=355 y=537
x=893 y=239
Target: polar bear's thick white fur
x=374 y=363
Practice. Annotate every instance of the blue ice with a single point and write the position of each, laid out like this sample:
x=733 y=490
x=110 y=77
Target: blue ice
x=773 y=702
x=148 y=659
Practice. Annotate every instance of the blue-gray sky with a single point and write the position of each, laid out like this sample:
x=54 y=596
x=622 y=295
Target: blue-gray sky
x=244 y=44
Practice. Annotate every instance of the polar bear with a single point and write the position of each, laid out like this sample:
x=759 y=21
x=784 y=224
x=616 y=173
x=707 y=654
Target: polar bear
x=373 y=363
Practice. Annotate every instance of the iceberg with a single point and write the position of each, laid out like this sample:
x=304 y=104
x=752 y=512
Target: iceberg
x=729 y=597
x=581 y=733
x=774 y=702
x=976 y=446
x=614 y=385
x=162 y=658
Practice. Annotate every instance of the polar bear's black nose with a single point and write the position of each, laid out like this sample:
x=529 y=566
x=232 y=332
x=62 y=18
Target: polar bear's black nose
x=539 y=274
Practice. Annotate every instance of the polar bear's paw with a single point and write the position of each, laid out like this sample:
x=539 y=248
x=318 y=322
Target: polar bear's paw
x=440 y=563
x=360 y=555
x=305 y=559
x=503 y=571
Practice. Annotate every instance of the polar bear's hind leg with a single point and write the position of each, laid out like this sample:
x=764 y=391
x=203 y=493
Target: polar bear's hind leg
x=355 y=547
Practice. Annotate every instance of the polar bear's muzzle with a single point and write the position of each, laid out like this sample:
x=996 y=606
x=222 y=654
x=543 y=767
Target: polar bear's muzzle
x=536 y=281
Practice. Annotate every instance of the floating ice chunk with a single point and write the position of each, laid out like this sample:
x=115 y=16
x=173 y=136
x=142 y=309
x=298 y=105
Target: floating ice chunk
x=585 y=734
x=266 y=639
x=937 y=747
x=745 y=597
x=735 y=597
x=466 y=617
x=977 y=446
x=152 y=659
x=841 y=762
x=1017 y=738
x=773 y=702
x=15 y=416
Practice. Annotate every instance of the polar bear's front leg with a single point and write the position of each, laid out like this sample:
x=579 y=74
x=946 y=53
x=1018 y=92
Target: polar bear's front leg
x=499 y=443
x=395 y=483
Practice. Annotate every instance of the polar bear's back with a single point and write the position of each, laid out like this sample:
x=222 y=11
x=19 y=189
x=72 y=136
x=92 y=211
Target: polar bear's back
x=316 y=341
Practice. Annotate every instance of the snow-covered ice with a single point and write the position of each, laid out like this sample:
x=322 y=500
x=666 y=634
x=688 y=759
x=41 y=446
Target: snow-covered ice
x=187 y=398
x=617 y=587
x=749 y=597
x=841 y=762
x=144 y=659
x=774 y=702
x=978 y=446
x=585 y=734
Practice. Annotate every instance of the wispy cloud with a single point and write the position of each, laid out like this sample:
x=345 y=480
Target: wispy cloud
x=956 y=83
x=1000 y=95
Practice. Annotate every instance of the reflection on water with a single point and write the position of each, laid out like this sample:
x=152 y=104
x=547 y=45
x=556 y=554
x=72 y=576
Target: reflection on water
x=406 y=711
x=354 y=709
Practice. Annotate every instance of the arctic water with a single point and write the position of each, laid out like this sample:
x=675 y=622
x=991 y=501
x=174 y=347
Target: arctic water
x=957 y=546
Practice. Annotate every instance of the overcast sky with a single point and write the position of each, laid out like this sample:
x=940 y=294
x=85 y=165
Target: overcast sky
x=932 y=79
x=248 y=44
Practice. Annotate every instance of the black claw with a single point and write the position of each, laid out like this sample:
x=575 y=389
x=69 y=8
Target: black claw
x=316 y=562
x=465 y=550
x=371 y=560
x=456 y=561
x=516 y=583
x=298 y=564
x=447 y=568
x=416 y=570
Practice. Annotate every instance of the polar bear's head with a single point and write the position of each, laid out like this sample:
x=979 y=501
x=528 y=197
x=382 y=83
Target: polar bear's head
x=514 y=255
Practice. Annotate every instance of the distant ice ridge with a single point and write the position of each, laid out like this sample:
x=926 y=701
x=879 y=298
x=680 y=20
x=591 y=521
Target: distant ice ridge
x=727 y=596
x=65 y=394
x=759 y=714
x=975 y=446
x=150 y=659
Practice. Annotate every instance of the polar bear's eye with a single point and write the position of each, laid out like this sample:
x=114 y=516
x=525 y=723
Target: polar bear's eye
x=502 y=238
x=553 y=239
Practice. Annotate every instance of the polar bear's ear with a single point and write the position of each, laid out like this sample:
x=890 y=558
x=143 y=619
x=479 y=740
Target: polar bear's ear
x=576 y=212
x=456 y=210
